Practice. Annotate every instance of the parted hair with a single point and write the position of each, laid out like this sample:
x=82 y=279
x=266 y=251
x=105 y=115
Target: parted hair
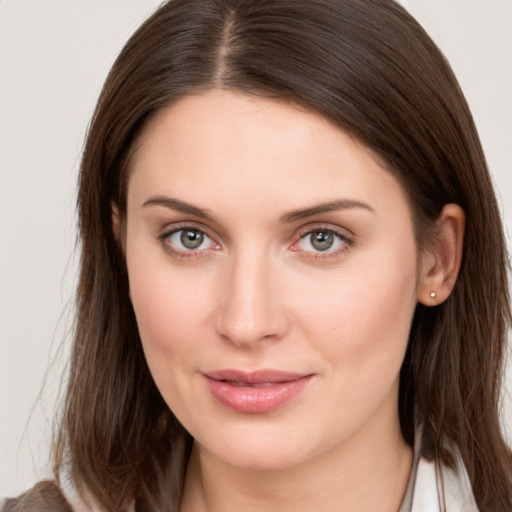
x=368 y=67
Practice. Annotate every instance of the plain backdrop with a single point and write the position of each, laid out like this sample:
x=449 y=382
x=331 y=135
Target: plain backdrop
x=54 y=56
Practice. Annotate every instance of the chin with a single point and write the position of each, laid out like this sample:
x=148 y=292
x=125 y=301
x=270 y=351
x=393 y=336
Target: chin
x=263 y=460
x=265 y=448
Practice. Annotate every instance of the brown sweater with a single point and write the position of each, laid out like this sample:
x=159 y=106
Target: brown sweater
x=45 y=496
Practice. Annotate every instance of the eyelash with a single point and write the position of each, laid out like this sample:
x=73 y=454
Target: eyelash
x=344 y=240
x=183 y=254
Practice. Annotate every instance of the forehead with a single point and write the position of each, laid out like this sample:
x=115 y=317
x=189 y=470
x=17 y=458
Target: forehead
x=237 y=149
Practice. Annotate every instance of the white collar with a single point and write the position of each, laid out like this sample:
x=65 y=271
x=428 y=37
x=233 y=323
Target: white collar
x=441 y=489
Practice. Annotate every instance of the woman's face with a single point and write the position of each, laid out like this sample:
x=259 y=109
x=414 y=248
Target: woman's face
x=273 y=272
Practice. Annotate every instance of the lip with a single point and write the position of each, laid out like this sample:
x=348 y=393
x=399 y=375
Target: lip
x=255 y=392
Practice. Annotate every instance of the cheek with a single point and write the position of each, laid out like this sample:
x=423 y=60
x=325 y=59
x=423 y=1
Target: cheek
x=166 y=309
x=364 y=313
x=360 y=324
x=167 y=305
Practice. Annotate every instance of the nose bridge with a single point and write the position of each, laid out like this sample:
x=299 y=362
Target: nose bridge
x=251 y=308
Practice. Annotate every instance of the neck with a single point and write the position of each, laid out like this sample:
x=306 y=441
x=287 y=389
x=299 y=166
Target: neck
x=369 y=472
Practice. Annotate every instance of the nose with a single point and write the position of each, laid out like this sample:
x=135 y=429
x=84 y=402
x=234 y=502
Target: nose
x=251 y=308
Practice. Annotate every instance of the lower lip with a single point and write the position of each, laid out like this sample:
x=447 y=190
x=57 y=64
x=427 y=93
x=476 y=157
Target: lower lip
x=251 y=399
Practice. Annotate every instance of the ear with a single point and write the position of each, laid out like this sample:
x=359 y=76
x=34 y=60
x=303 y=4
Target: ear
x=440 y=263
x=116 y=223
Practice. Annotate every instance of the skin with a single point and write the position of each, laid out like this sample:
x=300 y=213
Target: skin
x=258 y=294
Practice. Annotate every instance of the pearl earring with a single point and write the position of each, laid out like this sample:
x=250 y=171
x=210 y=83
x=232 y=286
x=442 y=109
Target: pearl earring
x=433 y=295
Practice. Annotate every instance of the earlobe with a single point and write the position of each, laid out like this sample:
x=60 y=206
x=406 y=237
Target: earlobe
x=440 y=263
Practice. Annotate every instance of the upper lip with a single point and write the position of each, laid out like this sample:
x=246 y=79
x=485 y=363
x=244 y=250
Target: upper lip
x=256 y=376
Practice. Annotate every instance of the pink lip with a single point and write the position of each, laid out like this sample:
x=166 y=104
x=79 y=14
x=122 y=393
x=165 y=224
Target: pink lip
x=255 y=392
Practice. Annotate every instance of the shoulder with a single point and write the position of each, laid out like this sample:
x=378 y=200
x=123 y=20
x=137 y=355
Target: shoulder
x=59 y=495
x=45 y=496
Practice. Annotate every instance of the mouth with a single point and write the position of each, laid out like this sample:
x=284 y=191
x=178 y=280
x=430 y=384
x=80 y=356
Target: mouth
x=255 y=392
x=240 y=384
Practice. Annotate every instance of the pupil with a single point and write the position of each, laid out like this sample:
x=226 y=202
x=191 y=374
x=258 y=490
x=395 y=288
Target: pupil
x=191 y=239
x=322 y=240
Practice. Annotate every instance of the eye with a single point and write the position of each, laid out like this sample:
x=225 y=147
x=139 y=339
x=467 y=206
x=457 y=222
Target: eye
x=186 y=240
x=323 y=241
x=189 y=238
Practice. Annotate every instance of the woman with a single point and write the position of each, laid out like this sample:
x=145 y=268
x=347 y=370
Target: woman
x=293 y=288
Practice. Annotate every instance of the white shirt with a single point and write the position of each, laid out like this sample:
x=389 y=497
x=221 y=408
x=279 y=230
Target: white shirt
x=442 y=489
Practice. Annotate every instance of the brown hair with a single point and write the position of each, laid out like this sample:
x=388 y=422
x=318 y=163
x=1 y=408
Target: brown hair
x=367 y=66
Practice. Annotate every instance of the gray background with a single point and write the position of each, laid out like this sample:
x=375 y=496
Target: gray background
x=54 y=56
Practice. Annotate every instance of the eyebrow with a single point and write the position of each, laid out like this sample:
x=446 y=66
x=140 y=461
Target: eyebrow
x=286 y=218
x=180 y=206
x=342 y=204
